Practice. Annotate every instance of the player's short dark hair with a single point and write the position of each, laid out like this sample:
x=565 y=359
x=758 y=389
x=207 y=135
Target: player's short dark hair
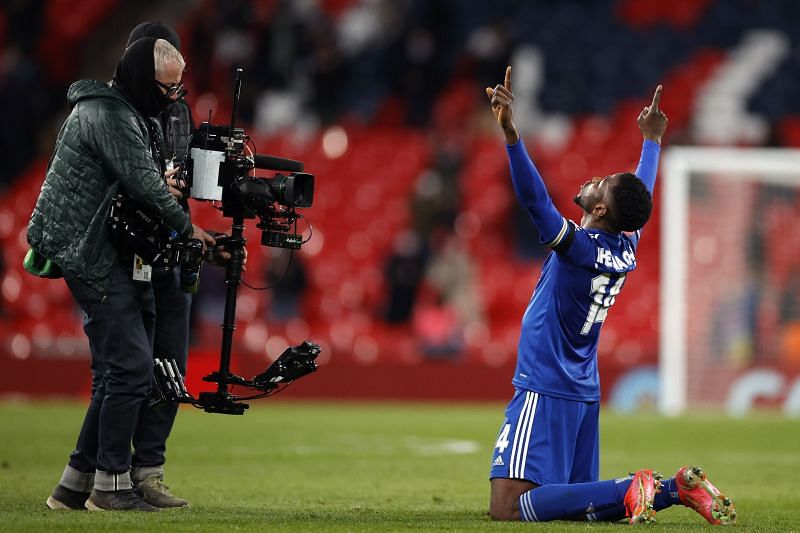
x=632 y=203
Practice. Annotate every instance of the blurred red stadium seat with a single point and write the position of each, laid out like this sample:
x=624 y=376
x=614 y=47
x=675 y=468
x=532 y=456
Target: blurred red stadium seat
x=679 y=13
x=66 y=25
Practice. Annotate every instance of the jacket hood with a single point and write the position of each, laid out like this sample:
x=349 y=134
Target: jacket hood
x=85 y=89
x=157 y=30
x=135 y=77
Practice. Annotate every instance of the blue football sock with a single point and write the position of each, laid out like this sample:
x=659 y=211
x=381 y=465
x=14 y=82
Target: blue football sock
x=609 y=514
x=666 y=498
x=668 y=495
x=573 y=500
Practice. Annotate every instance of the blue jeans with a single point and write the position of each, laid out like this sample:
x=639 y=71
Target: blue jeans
x=122 y=331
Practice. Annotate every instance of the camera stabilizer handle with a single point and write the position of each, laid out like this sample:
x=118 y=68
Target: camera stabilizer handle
x=222 y=401
x=233 y=270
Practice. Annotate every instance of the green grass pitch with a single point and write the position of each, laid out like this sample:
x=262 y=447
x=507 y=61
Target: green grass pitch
x=296 y=466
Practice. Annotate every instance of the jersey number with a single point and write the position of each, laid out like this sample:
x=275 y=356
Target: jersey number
x=603 y=298
x=502 y=440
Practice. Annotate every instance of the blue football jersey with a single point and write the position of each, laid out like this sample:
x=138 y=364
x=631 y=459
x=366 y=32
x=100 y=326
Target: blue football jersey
x=579 y=282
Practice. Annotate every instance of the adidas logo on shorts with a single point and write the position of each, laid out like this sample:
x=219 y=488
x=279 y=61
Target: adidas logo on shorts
x=498 y=461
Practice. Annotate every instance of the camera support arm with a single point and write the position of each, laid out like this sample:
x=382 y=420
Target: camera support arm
x=222 y=400
x=233 y=277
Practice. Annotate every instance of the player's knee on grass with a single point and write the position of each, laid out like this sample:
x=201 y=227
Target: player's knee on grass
x=502 y=512
x=504 y=497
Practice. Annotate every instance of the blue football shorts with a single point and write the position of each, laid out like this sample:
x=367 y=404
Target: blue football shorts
x=547 y=440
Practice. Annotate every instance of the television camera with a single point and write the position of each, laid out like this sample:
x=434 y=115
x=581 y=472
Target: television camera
x=219 y=167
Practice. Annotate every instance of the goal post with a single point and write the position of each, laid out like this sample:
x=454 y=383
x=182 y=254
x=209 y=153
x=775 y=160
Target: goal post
x=730 y=251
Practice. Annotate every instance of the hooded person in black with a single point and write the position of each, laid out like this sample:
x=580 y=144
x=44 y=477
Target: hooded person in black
x=176 y=120
x=102 y=144
x=135 y=78
x=173 y=305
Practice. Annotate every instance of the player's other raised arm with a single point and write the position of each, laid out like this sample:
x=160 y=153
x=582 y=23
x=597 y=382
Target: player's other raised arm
x=652 y=123
x=528 y=185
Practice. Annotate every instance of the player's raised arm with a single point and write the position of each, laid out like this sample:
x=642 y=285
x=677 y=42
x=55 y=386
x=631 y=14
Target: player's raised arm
x=652 y=123
x=501 y=98
x=528 y=185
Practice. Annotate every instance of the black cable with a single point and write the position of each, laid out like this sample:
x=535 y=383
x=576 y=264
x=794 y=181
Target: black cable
x=266 y=393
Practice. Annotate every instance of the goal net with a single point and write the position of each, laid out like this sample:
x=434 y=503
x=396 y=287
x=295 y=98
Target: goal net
x=730 y=277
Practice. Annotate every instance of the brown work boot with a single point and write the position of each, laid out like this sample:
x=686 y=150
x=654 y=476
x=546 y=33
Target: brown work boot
x=155 y=492
x=64 y=499
x=118 y=500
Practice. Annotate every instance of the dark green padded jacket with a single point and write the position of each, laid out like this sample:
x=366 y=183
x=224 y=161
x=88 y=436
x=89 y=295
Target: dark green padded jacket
x=103 y=148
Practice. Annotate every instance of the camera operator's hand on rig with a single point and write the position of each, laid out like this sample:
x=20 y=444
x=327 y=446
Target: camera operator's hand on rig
x=176 y=186
x=219 y=256
x=201 y=235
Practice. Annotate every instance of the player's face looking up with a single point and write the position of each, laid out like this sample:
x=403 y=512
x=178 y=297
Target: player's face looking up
x=595 y=196
x=619 y=202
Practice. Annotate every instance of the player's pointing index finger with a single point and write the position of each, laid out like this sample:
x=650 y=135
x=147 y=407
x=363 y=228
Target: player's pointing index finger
x=656 y=98
x=507 y=83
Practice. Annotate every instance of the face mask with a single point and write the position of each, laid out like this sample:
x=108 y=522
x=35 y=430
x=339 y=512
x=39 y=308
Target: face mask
x=168 y=91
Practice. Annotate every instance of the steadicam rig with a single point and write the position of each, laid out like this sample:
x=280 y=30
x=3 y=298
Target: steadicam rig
x=218 y=168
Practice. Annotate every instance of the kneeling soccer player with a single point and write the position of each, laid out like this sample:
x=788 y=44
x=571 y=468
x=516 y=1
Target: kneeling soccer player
x=546 y=460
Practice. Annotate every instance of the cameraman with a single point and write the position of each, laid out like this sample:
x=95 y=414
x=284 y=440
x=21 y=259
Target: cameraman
x=173 y=305
x=110 y=144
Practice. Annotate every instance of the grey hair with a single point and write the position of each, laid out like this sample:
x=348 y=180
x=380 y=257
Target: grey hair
x=164 y=54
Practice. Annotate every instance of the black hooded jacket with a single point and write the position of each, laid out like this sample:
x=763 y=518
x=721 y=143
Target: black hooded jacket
x=104 y=147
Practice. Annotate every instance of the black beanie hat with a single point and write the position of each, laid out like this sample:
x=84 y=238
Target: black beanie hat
x=157 y=30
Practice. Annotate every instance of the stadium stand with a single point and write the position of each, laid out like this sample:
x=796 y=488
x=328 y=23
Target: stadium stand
x=395 y=84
